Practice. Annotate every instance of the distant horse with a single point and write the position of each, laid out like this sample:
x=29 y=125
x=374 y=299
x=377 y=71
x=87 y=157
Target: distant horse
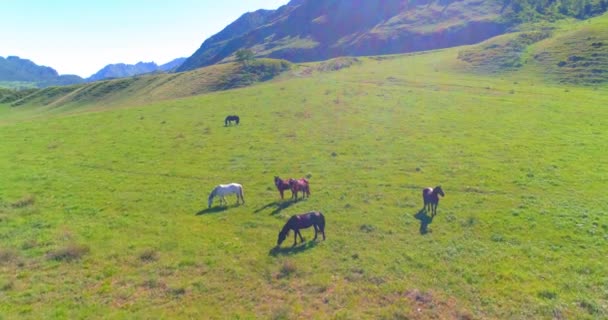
x=302 y=221
x=299 y=185
x=282 y=185
x=431 y=198
x=226 y=189
x=229 y=120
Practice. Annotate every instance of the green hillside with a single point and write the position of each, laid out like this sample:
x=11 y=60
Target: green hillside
x=103 y=212
x=569 y=52
x=149 y=88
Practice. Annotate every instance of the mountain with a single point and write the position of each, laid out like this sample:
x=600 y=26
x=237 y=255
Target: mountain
x=312 y=30
x=308 y=30
x=121 y=70
x=172 y=65
x=15 y=69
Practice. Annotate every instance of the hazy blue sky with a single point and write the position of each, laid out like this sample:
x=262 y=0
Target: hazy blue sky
x=82 y=36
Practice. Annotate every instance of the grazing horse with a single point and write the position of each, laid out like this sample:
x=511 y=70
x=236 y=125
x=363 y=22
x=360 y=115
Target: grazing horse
x=225 y=189
x=229 y=120
x=302 y=221
x=299 y=185
x=282 y=185
x=431 y=198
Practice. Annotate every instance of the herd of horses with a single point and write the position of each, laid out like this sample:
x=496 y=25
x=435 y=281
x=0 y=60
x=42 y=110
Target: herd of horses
x=430 y=198
x=315 y=219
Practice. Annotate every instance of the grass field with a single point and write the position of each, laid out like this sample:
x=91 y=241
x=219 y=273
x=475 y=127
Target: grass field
x=103 y=209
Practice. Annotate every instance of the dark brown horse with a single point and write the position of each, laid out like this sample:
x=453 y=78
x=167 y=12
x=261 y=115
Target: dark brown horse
x=282 y=185
x=229 y=120
x=299 y=185
x=430 y=196
x=302 y=221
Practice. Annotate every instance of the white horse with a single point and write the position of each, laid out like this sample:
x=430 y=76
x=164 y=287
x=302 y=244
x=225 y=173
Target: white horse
x=225 y=189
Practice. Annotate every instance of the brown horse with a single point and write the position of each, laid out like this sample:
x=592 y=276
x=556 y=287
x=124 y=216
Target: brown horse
x=299 y=185
x=302 y=221
x=282 y=185
x=430 y=196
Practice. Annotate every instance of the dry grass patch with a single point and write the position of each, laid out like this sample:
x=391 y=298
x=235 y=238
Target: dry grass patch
x=25 y=201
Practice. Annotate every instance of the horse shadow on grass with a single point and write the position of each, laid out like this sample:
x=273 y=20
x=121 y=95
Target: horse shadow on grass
x=212 y=210
x=287 y=251
x=277 y=205
x=425 y=220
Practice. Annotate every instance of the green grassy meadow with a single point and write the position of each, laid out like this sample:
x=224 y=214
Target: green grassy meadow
x=103 y=209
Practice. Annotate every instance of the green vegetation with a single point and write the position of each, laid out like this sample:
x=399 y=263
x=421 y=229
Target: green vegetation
x=534 y=10
x=244 y=56
x=148 y=88
x=502 y=53
x=11 y=95
x=251 y=71
x=577 y=55
x=102 y=211
x=569 y=52
x=17 y=85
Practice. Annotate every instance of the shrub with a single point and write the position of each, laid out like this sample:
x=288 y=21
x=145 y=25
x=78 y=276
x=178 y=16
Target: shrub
x=71 y=252
x=148 y=255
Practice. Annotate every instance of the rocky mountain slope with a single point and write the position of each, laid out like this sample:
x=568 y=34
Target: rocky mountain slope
x=308 y=30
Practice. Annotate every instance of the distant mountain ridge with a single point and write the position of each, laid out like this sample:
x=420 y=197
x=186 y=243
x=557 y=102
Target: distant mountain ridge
x=122 y=70
x=17 y=69
x=20 y=71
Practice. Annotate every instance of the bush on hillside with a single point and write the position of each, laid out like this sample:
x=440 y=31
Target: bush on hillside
x=255 y=71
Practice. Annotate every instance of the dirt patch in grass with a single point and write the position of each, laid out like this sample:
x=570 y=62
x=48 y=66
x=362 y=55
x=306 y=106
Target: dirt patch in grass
x=428 y=305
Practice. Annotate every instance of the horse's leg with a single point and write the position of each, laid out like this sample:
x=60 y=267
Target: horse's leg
x=281 y=192
x=316 y=227
x=295 y=236
x=300 y=234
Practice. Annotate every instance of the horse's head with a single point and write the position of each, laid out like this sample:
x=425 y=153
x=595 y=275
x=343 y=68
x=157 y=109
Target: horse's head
x=281 y=238
x=277 y=180
x=439 y=191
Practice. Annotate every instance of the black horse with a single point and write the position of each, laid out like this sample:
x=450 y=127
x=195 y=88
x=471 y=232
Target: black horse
x=302 y=221
x=430 y=196
x=229 y=120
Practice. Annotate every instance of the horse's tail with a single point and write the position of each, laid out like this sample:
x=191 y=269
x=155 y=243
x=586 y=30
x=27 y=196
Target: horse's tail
x=322 y=223
x=241 y=193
